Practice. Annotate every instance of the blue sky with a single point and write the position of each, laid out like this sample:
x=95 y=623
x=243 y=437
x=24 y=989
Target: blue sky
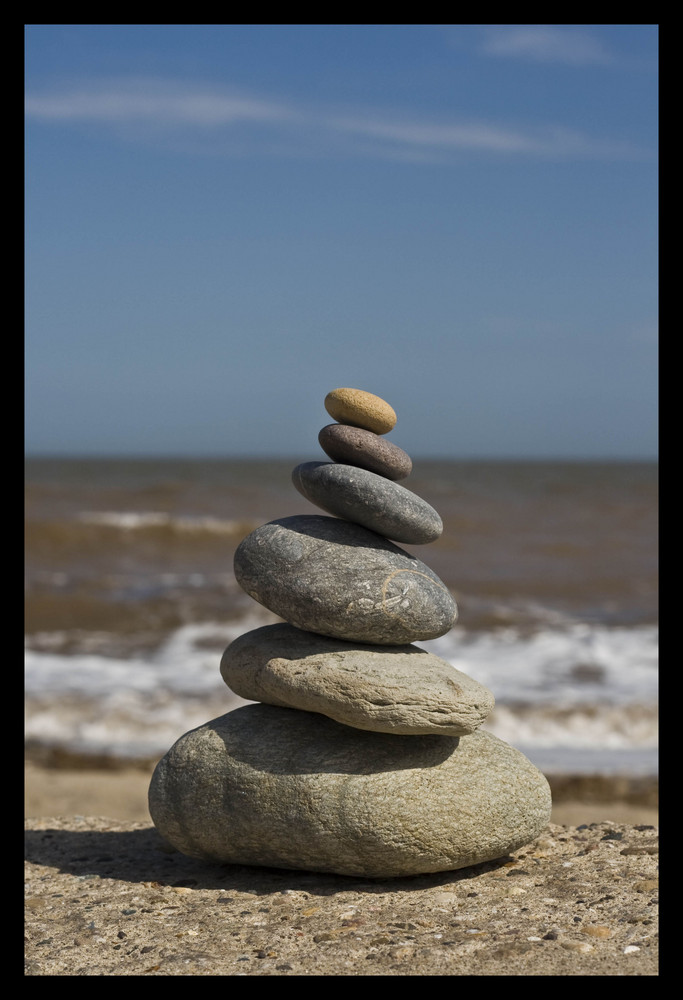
x=225 y=222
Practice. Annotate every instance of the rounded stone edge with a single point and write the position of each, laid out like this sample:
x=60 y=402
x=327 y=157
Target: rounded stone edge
x=379 y=628
x=192 y=834
x=379 y=455
x=360 y=408
x=343 y=498
x=251 y=666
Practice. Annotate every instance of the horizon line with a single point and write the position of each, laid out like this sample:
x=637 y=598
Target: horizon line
x=247 y=456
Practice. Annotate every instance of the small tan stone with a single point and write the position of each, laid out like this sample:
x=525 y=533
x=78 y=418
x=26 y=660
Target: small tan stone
x=581 y=946
x=360 y=409
x=402 y=953
x=646 y=885
x=597 y=930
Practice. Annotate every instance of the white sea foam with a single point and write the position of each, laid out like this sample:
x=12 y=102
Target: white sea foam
x=140 y=520
x=583 y=693
x=563 y=666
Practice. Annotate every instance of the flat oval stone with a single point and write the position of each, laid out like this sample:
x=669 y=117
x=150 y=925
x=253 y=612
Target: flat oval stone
x=289 y=789
x=360 y=409
x=368 y=499
x=384 y=689
x=367 y=450
x=336 y=578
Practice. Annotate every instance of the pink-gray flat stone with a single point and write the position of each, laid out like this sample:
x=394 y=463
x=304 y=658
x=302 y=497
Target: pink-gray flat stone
x=385 y=689
x=356 y=446
x=289 y=789
x=336 y=578
x=370 y=500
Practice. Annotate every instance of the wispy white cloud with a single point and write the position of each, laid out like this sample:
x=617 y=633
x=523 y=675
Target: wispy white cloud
x=485 y=138
x=155 y=102
x=151 y=110
x=546 y=43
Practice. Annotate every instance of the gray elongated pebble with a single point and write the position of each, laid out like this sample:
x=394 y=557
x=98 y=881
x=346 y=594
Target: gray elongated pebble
x=336 y=578
x=288 y=789
x=370 y=500
x=384 y=689
x=367 y=450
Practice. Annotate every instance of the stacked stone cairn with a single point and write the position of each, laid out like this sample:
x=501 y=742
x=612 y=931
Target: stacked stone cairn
x=360 y=753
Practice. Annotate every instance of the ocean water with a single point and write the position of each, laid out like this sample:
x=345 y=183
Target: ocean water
x=131 y=598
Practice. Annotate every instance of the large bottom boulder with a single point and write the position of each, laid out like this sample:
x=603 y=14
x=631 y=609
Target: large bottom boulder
x=284 y=788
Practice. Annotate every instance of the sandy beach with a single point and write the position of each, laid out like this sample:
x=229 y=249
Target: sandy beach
x=108 y=898
x=105 y=895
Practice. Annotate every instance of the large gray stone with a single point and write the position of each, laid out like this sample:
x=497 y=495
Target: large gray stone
x=384 y=689
x=356 y=446
x=368 y=499
x=336 y=578
x=289 y=789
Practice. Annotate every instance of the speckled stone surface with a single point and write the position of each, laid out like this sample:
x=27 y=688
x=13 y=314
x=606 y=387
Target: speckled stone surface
x=336 y=578
x=368 y=499
x=367 y=450
x=360 y=409
x=289 y=789
x=384 y=689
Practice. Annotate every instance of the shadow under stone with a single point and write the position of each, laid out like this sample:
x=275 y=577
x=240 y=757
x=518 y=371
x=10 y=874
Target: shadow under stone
x=290 y=741
x=137 y=856
x=339 y=531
